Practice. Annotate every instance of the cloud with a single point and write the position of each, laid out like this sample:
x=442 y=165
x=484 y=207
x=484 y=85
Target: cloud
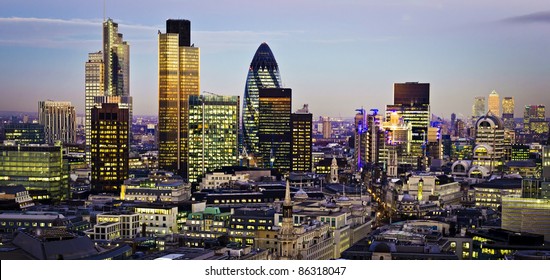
x=539 y=17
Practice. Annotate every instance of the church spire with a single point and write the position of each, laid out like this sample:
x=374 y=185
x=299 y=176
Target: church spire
x=287 y=201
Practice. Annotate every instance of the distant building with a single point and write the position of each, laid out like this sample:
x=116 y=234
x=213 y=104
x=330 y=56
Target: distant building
x=494 y=104
x=508 y=109
x=159 y=186
x=489 y=143
x=478 y=109
x=59 y=120
x=327 y=127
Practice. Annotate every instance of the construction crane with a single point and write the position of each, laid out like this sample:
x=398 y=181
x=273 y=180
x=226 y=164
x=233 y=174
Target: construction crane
x=211 y=93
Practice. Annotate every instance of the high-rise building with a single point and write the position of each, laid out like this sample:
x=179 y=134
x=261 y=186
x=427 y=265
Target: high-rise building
x=108 y=77
x=327 y=127
x=213 y=133
x=179 y=78
x=37 y=168
x=116 y=58
x=94 y=86
x=489 y=143
x=360 y=152
x=494 y=103
x=412 y=102
x=274 y=131
x=109 y=147
x=508 y=113
x=478 y=109
x=262 y=73
x=302 y=122
x=25 y=133
x=59 y=121
x=534 y=120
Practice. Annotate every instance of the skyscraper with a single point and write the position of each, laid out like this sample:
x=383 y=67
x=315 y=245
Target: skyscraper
x=535 y=124
x=327 y=127
x=108 y=76
x=494 y=103
x=179 y=66
x=109 y=147
x=412 y=102
x=213 y=133
x=508 y=113
x=478 y=109
x=302 y=122
x=94 y=86
x=274 y=131
x=263 y=73
x=59 y=121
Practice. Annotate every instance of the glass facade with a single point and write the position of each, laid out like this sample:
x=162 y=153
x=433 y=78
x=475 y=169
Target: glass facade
x=508 y=108
x=94 y=86
x=213 y=132
x=25 y=133
x=179 y=78
x=109 y=147
x=274 y=133
x=494 y=104
x=263 y=73
x=35 y=168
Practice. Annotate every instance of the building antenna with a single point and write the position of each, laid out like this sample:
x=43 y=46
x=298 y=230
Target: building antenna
x=104 y=9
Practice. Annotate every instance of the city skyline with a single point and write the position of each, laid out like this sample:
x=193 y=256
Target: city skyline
x=358 y=50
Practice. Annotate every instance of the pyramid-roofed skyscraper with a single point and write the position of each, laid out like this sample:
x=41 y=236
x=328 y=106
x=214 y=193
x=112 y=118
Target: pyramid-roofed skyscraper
x=263 y=73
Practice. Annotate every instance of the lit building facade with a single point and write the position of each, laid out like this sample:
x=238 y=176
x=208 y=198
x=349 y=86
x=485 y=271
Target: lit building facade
x=327 y=127
x=59 y=121
x=109 y=147
x=94 y=86
x=262 y=73
x=534 y=120
x=508 y=108
x=302 y=122
x=412 y=102
x=526 y=215
x=25 y=133
x=489 y=143
x=274 y=131
x=35 y=168
x=494 y=103
x=213 y=133
x=179 y=78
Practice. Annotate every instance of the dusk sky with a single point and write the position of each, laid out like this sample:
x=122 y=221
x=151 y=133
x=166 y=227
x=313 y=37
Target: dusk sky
x=336 y=56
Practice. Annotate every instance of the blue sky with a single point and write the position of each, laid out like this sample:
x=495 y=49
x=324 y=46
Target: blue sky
x=336 y=56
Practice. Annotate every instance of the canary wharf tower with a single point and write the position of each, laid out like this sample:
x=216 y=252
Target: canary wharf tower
x=263 y=73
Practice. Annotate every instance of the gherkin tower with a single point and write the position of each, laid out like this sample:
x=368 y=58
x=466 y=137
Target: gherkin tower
x=263 y=73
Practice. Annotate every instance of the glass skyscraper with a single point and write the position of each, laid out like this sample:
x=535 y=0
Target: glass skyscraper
x=179 y=78
x=263 y=73
x=213 y=133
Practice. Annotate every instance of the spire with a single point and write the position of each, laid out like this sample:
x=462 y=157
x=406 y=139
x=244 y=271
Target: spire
x=287 y=201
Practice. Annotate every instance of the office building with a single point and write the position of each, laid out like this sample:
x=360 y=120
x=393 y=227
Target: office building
x=412 y=102
x=38 y=168
x=262 y=73
x=508 y=108
x=213 y=133
x=107 y=77
x=59 y=121
x=489 y=142
x=274 y=131
x=302 y=122
x=534 y=121
x=24 y=133
x=494 y=104
x=109 y=147
x=327 y=127
x=179 y=78
x=94 y=87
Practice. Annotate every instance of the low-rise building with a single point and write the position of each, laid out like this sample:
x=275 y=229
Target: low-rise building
x=158 y=219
